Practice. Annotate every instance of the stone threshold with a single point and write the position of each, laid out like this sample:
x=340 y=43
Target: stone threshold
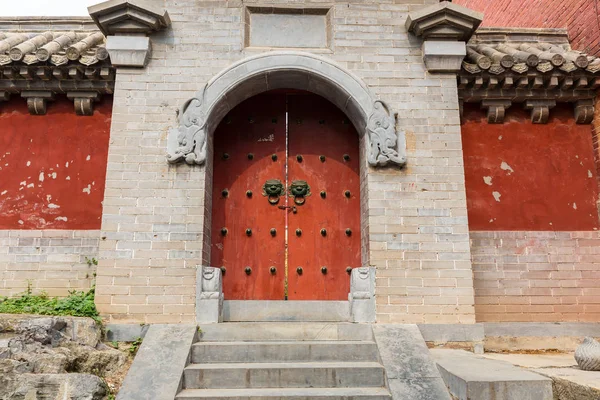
x=279 y=310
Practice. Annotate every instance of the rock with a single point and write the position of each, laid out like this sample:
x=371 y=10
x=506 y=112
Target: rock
x=53 y=329
x=8 y=367
x=50 y=363
x=54 y=358
x=93 y=361
x=56 y=387
x=42 y=330
x=588 y=355
x=84 y=331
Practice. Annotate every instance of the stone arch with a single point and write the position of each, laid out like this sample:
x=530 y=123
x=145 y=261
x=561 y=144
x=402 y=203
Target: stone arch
x=287 y=70
x=201 y=114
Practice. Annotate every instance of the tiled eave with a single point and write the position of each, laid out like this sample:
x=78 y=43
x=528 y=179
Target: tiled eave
x=531 y=68
x=42 y=62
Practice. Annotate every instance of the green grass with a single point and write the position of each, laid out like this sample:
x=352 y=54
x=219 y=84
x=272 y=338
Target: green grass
x=77 y=304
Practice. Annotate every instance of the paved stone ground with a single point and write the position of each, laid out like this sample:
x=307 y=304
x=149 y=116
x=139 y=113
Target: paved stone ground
x=569 y=382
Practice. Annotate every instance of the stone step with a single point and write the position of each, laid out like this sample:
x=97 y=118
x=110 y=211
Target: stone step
x=282 y=375
x=469 y=376
x=278 y=331
x=279 y=310
x=283 y=351
x=286 y=394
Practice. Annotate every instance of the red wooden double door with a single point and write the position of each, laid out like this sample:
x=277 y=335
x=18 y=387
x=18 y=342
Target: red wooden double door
x=286 y=201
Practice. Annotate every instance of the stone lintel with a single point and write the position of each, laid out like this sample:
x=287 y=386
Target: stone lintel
x=496 y=110
x=83 y=101
x=37 y=101
x=444 y=21
x=540 y=110
x=443 y=56
x=129 y=51
x=584 y=111
x=129 y=17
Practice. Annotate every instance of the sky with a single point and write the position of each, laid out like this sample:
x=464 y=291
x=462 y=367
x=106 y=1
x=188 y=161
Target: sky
x=45 y=8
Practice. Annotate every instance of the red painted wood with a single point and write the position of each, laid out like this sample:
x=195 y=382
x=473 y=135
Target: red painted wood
x=317 y=127
x=52 y=167
x=551 y=182
x=249 y=128
x=322 y=130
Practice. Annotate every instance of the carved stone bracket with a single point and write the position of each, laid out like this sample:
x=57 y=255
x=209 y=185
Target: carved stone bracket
x=126 y=24
x=540 y=110
x=83 y=102
x=444 y=21
x=129 y=17
x=584 y=111
x=4 y=96
x=445 y=28
x=496 y=110
x=209 y=295
x=362 y=294
x=37 y=101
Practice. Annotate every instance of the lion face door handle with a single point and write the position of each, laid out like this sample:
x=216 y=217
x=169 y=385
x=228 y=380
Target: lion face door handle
x=273 y=189
x=299 y=190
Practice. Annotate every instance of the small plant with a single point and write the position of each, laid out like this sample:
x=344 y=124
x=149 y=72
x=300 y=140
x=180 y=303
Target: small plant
x=91 y=261
x=200 y=331
x=135 y=345
x=77 y=304
x=110 y=395
x=114 y=344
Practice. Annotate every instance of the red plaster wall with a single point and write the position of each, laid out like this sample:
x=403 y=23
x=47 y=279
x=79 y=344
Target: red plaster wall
x=580 y=17
x=548 y=181
x=52 y=167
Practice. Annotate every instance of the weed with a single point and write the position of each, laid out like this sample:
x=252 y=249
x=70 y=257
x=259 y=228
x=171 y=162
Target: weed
x=77 y=304
x=91 y=261
x=135 y=345
x=115 y=344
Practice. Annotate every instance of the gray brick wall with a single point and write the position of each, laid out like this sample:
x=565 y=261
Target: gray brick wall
x=157 y=217
x=50 y=261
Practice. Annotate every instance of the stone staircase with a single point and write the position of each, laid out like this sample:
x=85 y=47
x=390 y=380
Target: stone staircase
x=274 y=360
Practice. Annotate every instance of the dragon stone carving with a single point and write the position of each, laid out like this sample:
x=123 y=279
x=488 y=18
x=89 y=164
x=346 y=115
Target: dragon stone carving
x=192 y=133
x=383 y=138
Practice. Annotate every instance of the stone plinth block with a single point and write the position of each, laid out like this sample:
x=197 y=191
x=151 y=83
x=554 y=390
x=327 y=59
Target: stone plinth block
x=362 y=295
x=129 y=51
x=209 y=302
x=443 y=56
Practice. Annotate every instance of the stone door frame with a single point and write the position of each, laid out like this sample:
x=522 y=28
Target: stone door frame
x=285 y=70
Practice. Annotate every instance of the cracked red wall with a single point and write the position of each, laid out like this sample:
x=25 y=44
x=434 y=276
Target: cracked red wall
x=52 y=167
x=527 y=177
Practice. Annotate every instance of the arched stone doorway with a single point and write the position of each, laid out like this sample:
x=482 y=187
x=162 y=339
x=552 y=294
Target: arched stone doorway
x=379 y=142
x=286 y=199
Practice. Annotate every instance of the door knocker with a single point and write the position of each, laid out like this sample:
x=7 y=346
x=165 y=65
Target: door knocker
x=273 y=188
x=299 y=190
